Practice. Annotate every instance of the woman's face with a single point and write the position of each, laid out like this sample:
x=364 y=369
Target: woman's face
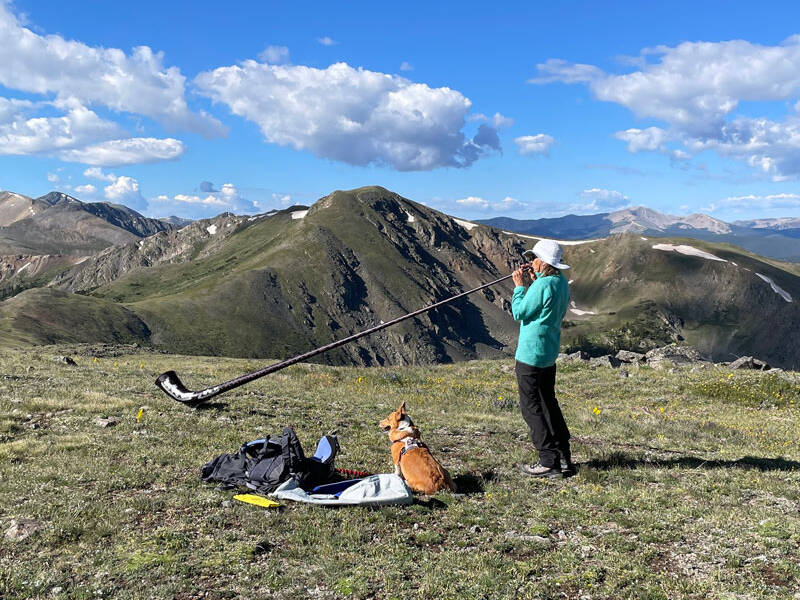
x=538 y=265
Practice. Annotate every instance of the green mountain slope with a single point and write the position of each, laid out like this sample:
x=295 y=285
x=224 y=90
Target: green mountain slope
x=280 y=284
x=48 y=316
x=644 y=296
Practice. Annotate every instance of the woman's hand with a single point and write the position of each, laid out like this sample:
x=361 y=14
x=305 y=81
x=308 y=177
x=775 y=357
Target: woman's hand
x=520 y=277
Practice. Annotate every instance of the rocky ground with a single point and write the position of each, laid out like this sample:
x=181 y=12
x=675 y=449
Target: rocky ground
x=668 y=357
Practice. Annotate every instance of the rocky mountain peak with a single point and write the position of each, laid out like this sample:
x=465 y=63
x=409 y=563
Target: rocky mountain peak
x=58 y=198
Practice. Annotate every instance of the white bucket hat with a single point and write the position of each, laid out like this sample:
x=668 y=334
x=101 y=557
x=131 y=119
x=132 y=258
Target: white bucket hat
x=548 y=251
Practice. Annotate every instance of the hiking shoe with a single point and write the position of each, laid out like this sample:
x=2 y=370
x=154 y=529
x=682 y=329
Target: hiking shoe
x=568 y=468
x=539 y=470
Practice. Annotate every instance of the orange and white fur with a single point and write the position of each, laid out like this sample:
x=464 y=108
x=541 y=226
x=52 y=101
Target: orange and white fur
x=412 y=459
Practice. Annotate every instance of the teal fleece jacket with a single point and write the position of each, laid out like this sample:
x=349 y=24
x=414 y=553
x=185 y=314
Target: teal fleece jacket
x=540 y=308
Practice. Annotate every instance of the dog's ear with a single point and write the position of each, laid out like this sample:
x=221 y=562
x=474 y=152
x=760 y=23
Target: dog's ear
x=402 y=408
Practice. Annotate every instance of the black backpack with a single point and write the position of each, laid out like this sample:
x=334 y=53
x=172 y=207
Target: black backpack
x=262 y=465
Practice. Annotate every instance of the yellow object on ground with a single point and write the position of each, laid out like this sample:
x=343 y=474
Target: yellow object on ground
x=257 y=500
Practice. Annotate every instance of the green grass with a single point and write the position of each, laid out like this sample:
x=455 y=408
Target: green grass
x=688 y=488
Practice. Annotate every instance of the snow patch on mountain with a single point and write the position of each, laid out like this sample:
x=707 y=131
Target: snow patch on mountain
x=776 y=288
x=688 y=250
x=299 y=214
x=465 y=224
x=574 y=309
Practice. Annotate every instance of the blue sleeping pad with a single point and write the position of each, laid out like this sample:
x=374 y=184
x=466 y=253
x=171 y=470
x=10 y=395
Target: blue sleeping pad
x=335 y=489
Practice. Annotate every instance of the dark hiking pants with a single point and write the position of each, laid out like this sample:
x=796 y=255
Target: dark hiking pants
x=537 y=399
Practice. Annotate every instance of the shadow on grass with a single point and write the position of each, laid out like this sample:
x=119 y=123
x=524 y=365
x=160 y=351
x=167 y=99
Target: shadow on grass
x=431 y=503
x=627 y=461
x=473 y=483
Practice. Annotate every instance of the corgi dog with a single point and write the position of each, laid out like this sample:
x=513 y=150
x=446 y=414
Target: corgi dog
x=412 y=459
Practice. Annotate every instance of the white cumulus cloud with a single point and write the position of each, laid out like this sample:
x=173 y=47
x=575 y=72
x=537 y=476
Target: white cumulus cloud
x=138 y=83
x=22 y=134
x=281 y=199
x=327 y=41
x=210 y=201
x=187 y=199
x=351 y=115
x=125 y=190
x=534 y=144
x=86 y=190
x=97 y=173
x=696 y=88
x=476 y=202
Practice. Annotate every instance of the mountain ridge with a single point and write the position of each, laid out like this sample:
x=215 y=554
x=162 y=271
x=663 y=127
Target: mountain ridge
x=774 y=238
x=278 y=284
x=57 y=223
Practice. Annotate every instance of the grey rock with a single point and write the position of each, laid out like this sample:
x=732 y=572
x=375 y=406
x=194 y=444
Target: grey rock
x=604 y=361
x=536 y=539
x=21 y=529
x=105 y=421
x=630 y=357
x=743 y=362
x=748 y=362
x=578 y=356
x=674 y=354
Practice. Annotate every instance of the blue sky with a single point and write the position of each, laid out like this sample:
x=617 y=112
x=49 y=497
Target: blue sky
x=526 y=110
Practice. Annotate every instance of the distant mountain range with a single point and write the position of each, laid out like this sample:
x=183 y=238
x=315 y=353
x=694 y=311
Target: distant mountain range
x=60 y=224
x=774 y=238
x=278 y=284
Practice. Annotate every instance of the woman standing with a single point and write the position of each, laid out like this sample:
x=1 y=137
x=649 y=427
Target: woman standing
x=540 y=302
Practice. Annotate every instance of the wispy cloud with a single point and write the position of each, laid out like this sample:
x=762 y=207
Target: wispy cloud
x=274 y=54
x=603 y=199
x=783 y=201
x=326 y=41
x=131 y=151
x=534 y=144
x=622 y=170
